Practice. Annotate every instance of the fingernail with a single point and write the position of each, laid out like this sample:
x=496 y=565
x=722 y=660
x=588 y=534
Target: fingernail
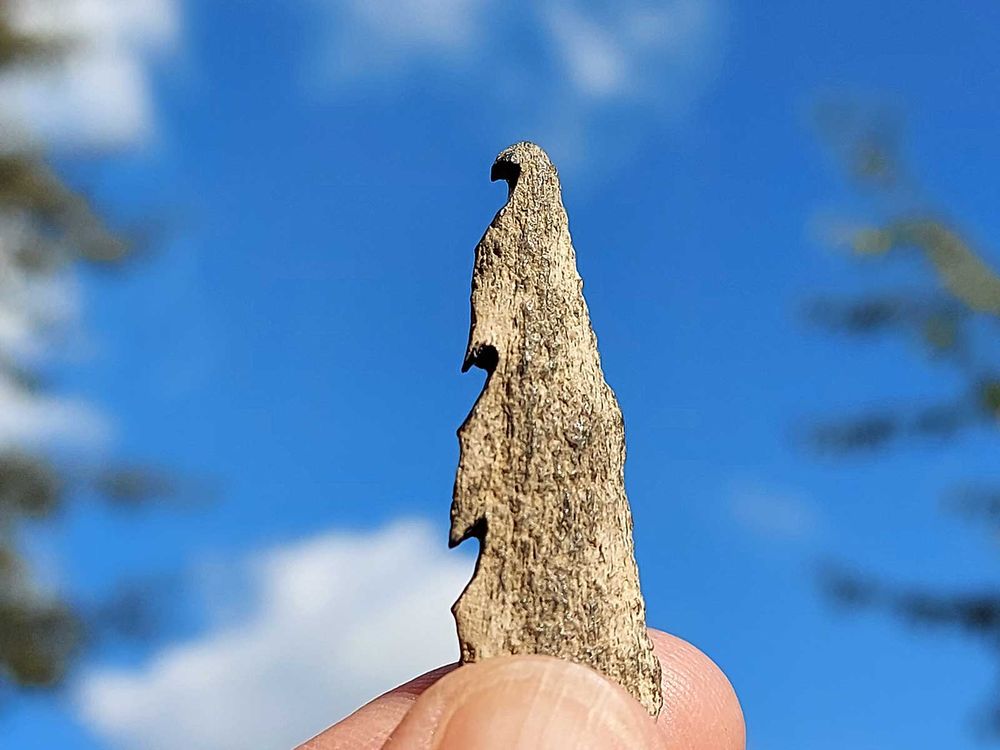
x=535 y=703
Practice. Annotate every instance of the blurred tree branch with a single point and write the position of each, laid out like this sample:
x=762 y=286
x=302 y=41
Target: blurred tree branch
x=46 y=225
x=954 y=321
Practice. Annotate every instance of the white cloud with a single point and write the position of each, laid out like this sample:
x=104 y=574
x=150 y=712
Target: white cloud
x=592 y=54
x=552 y=66
x=633 y=50
x=774 y=515
x=32 y=304
x=36 y=422
x=35 y=309
x=98 y=95
x=337 y=620
x=402 y=30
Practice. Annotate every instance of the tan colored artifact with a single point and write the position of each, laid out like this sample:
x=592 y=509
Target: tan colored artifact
x=540 y=480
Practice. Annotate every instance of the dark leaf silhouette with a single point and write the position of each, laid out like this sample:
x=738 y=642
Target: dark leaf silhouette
x=947 y=320
x=56 y=226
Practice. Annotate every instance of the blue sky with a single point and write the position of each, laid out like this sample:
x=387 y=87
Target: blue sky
x=297 y=340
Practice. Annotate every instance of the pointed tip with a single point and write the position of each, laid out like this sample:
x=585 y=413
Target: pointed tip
x=515 y=159
x=522 y=152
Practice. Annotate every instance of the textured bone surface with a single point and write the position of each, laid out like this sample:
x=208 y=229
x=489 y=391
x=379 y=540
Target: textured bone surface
x=540 y=479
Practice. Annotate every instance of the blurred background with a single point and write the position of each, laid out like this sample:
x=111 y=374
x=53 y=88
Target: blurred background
x=235 y=248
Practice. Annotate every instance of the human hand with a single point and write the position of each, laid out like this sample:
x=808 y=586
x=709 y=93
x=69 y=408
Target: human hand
x=543 y=703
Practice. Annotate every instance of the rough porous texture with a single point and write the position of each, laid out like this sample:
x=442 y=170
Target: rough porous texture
x=540 y=480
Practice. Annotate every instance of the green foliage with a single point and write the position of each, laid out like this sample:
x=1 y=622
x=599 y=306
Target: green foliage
x=37 y=641
x=22 y=49
x=990 y=398
x=955 y=320
x=62 y=221
x=40 y=633
x=28 y=487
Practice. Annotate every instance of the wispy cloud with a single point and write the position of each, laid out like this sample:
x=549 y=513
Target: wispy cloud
x=633 y=50
x=338 y=619
x=553 y=67
x=98 y=95
x=378 y=37
x=774 y=514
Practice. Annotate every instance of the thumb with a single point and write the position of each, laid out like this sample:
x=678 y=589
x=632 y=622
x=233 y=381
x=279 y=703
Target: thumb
x=522 y=702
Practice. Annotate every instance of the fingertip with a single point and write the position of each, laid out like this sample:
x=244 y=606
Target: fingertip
x=701 y=710
x=521 y=702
